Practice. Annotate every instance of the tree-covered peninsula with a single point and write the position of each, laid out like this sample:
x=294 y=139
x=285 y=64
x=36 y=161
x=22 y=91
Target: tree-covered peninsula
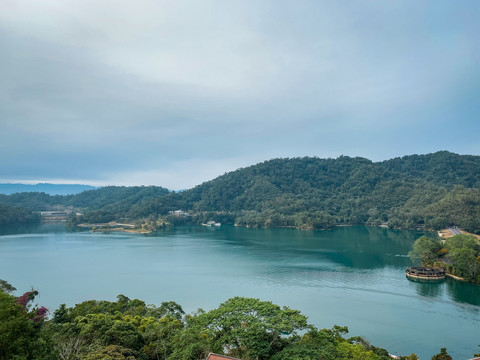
x=459 y=255
x=430 y=191
x=245 y=328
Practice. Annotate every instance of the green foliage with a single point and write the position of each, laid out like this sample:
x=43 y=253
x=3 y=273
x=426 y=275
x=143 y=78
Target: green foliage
x=409 y=357
x=127 y=329
x=478 y=353
x=462 y=241
x=6 y=287
x=21 y=331
x=111 y=352
x=464 y=253
x=123 y=305
x=106 y=330
x=167 y=309
x=13 y=215
x=109 y=330
x=330 y=344
x=425 y=251
x=442 y=355
x=192 y=343
x=250 y=328
x=17 y=332
x=441 y=168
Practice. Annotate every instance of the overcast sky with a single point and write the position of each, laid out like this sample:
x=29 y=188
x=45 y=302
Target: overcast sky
x=174 y=93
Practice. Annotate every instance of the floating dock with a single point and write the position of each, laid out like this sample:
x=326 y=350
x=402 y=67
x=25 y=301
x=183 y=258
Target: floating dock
x=425 y=273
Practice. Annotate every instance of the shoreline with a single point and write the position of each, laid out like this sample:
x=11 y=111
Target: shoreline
x=130 y=228
x=114 y=227
x=455 y=277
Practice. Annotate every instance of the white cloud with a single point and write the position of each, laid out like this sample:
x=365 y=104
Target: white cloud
x=150 y=87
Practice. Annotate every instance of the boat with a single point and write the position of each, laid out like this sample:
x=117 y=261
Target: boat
x=425 y=273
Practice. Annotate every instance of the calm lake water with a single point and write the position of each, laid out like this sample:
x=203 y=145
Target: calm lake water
x=351 y=276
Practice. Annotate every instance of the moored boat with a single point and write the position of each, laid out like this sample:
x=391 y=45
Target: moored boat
x=425 y=273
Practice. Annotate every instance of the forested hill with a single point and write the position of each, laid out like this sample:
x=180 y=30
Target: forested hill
x=433 y=190
x=91 y=199
x=441 y=168
x=114 y=200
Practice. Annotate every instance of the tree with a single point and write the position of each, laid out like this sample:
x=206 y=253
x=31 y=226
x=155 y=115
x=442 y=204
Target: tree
x=104 y=330
x=20 y=329
x=61 y=315
x=159 y=336
x=425 y=250
x=111 y=352
x=443 y=355
x=6 y=287
x=192 y=343
x=465 y=263
x=462 y=241
x=169 y=309
x=355 y=352
x=412 y=356
x=249 y=328
x=464 y=252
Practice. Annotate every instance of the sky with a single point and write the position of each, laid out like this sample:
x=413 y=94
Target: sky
x=175 y=93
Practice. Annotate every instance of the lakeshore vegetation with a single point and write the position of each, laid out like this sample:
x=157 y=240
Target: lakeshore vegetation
x=431 y=191
x=246 y=328
x=16 y=215
x=459 y=255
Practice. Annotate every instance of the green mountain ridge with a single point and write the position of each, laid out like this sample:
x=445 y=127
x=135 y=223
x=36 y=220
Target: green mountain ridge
x=432 y=191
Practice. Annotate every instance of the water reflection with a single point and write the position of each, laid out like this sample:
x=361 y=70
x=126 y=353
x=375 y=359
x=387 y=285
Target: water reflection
x=39 y=228
x=458 y=291
x=310 y=255
x=428 y=288
x=463 y=292
x=356 y=247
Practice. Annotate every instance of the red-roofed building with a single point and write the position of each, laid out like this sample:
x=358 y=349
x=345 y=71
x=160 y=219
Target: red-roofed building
x=212 y=356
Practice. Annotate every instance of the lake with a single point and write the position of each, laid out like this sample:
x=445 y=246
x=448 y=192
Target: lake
x=353 y=276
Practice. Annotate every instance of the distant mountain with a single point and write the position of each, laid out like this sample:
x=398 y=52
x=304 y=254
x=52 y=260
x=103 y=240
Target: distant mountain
x=51 y=189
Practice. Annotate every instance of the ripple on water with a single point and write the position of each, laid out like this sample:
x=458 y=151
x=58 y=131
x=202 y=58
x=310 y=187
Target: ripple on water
x=326 y=275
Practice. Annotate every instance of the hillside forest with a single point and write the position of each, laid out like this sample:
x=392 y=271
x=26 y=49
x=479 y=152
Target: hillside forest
x=430 y=191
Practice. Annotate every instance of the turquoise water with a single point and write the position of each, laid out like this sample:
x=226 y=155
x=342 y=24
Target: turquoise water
x=351 y=276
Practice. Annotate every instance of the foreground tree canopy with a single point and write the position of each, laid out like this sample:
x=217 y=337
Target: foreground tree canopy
x=247 y=328
x=433 y=191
